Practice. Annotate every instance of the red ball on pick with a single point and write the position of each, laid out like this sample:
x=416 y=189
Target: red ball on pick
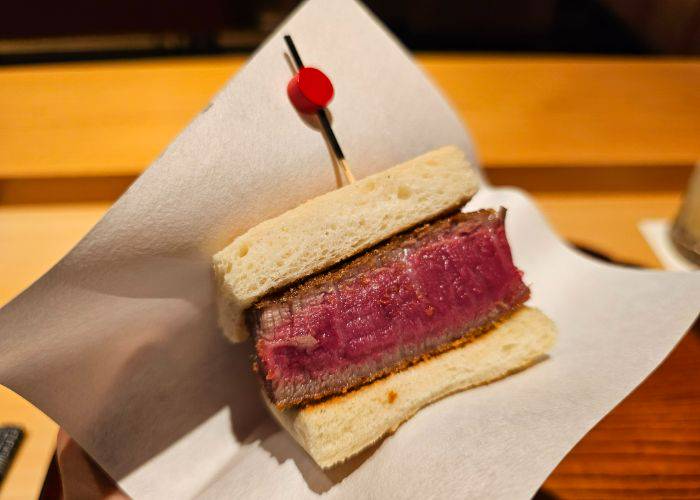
x=310 y=90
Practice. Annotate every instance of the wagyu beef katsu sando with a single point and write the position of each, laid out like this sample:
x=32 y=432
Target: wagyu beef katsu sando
x=371 y=301
x=413 y=296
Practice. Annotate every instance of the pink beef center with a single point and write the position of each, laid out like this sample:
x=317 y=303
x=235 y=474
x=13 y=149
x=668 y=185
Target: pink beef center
x=450 y=284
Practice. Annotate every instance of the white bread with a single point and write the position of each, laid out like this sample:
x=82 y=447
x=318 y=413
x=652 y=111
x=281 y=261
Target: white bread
x=335 y=429
x=335 y=226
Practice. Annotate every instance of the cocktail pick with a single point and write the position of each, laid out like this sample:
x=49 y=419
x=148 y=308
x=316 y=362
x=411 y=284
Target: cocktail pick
x=310 y=91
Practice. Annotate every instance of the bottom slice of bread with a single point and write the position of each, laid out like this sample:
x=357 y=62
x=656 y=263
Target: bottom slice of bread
x=335 y=429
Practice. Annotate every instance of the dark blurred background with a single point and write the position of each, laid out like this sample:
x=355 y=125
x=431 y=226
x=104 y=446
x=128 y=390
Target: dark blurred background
x=36 y=31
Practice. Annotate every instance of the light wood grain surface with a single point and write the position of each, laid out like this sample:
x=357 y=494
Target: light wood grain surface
x=601 y=143
x=115 y=118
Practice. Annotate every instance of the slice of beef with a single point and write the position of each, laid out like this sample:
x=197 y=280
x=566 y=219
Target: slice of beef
x=415 y=295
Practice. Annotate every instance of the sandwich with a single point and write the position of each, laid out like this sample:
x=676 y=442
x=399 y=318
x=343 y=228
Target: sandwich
x=369 y=302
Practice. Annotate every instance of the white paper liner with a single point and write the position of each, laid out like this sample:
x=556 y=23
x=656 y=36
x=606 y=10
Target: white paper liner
x=118 y=342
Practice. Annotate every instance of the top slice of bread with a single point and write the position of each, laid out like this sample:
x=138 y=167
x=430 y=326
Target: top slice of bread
x=334 y=226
